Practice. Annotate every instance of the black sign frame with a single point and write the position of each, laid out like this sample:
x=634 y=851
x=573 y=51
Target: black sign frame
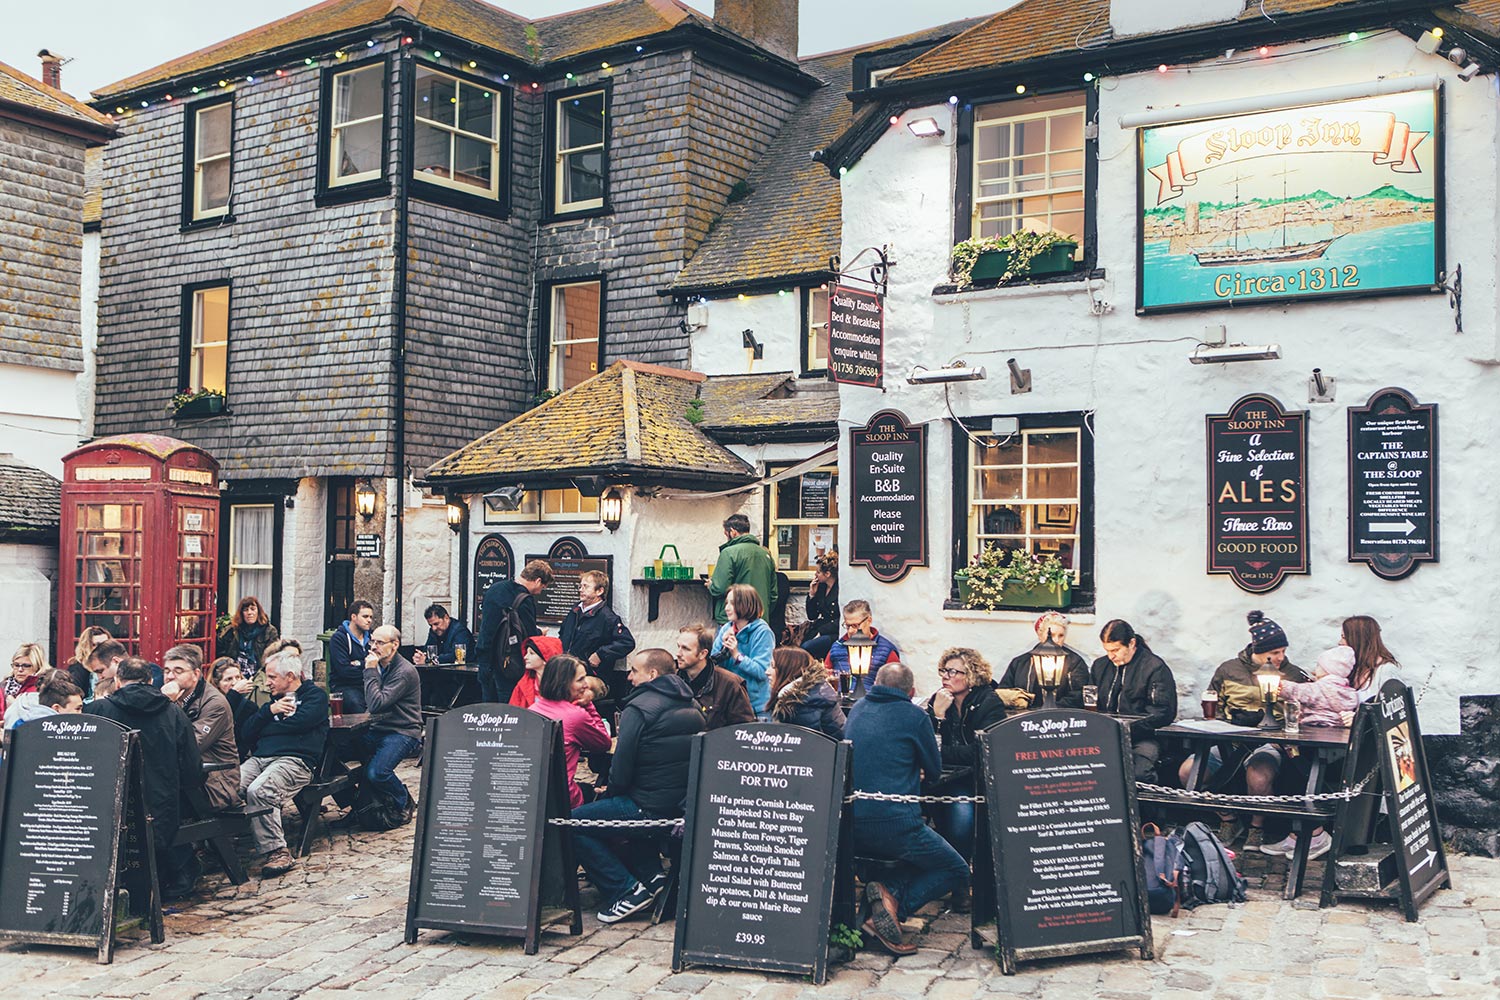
x=494 y=560
x=1236 y=546
x=1368 y=485
x=836 y=881
x=1416 y=836
x=846 y=333
x=552 y=859
x=887 y=429
x=1111 y=740
x=551 y=608
x=131 y=851
x=368 y=545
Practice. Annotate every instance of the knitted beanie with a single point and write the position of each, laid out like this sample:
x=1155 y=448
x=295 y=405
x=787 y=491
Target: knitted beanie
x=1265 y=635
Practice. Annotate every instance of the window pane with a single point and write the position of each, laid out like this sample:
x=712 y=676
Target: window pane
x=213 y=185
x=433 y=147
x=1000 y=451
x=1031 y=137
x=1052 y=483
x=1010 y=520
x=584 y=177
x=993 y=142
x=208 y=363
x=575 y=334
x=476 y=110
x=250 y=539
x=475 y=162
x=213 y=131
x=582 y=121
x=1052 y=448
x=1067 y=131
x=357 y=150
x=997 y=484
x=359 y=94
x=437 y=96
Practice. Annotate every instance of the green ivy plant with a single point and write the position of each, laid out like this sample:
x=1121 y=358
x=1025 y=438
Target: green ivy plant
x=845 y=936
x=1023 y=246
x=695 y=411
x=993 y=567
x=184 y=398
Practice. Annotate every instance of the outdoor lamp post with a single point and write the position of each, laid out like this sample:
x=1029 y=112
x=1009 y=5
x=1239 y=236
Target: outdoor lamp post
x=861 y=649
x=1270 y=684
x=612 y=508
x=1048 y=661
x=364 y=498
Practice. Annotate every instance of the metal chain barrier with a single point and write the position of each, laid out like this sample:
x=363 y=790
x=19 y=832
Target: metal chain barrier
x=616 y=822
x=892 y=797
x=1343 y=795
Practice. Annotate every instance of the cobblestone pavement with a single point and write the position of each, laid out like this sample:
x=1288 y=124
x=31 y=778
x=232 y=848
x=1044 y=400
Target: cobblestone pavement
x=332 y=930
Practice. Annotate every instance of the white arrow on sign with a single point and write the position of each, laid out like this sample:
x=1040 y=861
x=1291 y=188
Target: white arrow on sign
x=1425 y=861
x=1404 y=527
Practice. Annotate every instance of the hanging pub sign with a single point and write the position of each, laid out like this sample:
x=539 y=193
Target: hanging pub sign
x=493 y=561
x=888 y=532
x=1322 y=201
x=1257 y=493
x=1393 y=483
x=856 y=336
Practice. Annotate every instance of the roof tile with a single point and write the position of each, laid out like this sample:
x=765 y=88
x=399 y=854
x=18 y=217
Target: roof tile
x=30 y=502
x=30 y=94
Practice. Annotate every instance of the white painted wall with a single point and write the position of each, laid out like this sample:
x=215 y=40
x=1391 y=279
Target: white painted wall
x=1136 y=17
x=28 y=575
x=428 y=573
x=38 y=415
x=304 y=533
x=88 y=311
x=1149 y=403
x=718 y=348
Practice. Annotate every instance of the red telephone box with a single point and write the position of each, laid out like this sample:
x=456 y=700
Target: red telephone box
x=140 y=544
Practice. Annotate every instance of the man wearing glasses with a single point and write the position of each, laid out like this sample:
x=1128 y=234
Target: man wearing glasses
x=858 y=621
x=393 y=697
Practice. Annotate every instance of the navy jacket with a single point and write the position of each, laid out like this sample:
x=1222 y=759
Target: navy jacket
x=169 y=752
x=346 y=658
x=657 y=724
x=301 y=734
x=600 y=631
x=497 y=601
x=893 y=748
x=458 y=634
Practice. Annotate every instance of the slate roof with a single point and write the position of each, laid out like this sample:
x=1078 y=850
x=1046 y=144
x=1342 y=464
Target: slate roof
x=30 y=502
x=629 y=422
x=557 y=38
x=30 y=96
x=771 y=405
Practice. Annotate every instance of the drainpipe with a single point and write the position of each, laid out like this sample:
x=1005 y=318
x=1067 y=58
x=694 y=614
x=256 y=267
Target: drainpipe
x=398 y=348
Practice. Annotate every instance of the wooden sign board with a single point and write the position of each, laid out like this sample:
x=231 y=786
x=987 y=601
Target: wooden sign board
x=1393 y=483
x=765 y=804
x=1257 y=493
x=888 y=532
x=1064 y=837
x=562 y=596
x=485 y=860
x=493 y=561
x=856 y=336
x=73 y=831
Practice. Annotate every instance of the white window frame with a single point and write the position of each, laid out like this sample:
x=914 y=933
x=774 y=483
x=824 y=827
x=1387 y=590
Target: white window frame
x=197 y=345
x=1048 y=192
x=876 y=75
x=534 y=508
x=454 y=133
x=200 y=161
x=776 y=521
x=561 y=154
x=555 y=347
x=1028 y=535
x=816 y=363
x=336 y=127
x=235 y=567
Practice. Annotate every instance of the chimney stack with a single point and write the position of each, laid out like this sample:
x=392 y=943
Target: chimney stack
x=51 y=69
x=770 y=24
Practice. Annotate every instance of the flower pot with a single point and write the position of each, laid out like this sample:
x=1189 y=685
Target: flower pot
x=990 y=265
x=964 y=590
x=1019 y=595
x=1054 y=260
x=203 y=406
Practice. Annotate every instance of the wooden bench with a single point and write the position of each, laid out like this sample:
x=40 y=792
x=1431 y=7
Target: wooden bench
x=332 y=778
x=216 y=829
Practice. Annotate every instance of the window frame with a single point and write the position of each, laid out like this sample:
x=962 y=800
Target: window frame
x=553 y=210
x=328 y=193
x=809 y=368
x=191 y=217
x=444 y=192
x=1084 y=587
x=185 y=346
x=963 y=186
x=532 y=510
x=773 y=521
x=548 y=291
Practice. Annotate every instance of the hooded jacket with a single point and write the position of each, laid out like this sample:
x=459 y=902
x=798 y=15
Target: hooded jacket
x=721 y=696
x=213 y=729
x=528 y=688
x=1240 y=700
x=169 y=753
x=655 y=737
x=501 y=596
x=1144 y=686
x=756 y=643
x=458 y=634
x=961 y=725
x=29 y=712
x=582 y=729
x=812 y=702
x=893 y=748
x=597 y=631
x=743 y=560
x=346 y=657
x=1075 y=675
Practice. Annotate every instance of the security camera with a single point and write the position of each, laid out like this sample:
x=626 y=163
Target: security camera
x=1457 y=56
x=1469 y=72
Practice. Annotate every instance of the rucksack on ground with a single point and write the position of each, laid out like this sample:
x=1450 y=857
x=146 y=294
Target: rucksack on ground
x=1163 y=867
x=1210 y=875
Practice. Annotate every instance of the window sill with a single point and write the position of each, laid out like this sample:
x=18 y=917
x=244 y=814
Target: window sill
x=1078 y=614
x=817 y=373
x=214 y=222
x=1051 y=285
x=343 y=195
x=574 y=215
x=478 y=204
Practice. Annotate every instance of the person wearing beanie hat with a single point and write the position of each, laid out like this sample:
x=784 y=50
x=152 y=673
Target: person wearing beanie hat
x=1241 y=704
x=1020 y=686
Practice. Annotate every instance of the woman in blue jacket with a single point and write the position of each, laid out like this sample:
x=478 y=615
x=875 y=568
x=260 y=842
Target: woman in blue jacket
x=745 y=643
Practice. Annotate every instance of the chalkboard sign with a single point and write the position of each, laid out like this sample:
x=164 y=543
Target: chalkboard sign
x=1257 y=493
x=813 y=502
x=562 y=595
x=1064 y=836
x=485 y=859
x=856 y=336
x=74 y=830
x=889 y=528
x=1393 y=483
x=493 y=561
x=763 y=821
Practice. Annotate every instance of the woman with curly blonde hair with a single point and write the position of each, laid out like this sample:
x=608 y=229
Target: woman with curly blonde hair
x=960 y=710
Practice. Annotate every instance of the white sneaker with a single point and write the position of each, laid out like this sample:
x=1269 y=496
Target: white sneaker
x=1319 y=845
x=1282 y=848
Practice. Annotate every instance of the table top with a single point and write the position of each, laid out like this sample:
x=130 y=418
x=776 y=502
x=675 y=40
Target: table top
x=448 y=668
x=1309 y=736
x=350 y=720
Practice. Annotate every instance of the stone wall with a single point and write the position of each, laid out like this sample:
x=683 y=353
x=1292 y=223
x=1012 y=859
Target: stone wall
x=1465 y=774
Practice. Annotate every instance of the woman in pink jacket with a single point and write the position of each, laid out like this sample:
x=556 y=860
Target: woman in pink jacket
x=1324 y=700
x=564 y=684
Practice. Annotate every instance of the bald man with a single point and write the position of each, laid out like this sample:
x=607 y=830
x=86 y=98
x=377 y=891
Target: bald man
x=393 y=697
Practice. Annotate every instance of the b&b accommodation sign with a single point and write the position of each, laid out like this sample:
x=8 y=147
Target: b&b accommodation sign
x=856 y=336
x=889 y=529
x=1309 y=202
x=1393 y=487
x=1257 y=493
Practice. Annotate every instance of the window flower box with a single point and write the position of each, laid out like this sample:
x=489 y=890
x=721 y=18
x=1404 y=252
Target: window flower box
x=203 y=403
x=1001 y=578
x=1041 y=595
x=1016 y=255
x=993 y=265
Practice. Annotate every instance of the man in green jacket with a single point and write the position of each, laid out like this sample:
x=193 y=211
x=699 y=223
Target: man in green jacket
x=742 y=560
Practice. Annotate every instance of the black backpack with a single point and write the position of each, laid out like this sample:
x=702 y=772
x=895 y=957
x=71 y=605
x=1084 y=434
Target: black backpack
x=1209 y=875
x=506 y=657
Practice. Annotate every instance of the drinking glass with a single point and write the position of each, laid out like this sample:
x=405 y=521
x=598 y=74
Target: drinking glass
x=1291 y=713
x=1091 y=697
x=460 y=653
x=1210 y=704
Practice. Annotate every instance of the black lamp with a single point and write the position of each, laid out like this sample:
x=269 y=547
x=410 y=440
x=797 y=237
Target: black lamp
x=364 y=498
x=1269 y=679
x=1048 y=661
x=457 y=510
x=612 y=508
x=861 y=649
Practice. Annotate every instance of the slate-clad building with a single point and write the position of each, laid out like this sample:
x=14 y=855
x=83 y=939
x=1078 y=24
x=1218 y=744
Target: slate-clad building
x=382 y=228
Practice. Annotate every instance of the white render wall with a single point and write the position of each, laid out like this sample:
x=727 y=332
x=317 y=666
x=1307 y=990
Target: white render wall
x=28 y=576
x=1149 y=403
x=39 y=421
x=719 y=347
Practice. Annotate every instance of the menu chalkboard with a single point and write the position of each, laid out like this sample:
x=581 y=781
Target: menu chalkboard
x=1393 y=483
x=817 y=489
x=856 y=336
x=562 y=596
x=73 y=830
x=1064 y=836
x=1257 y=493
x=493 y=561
x=763 y=820
x=485 y=859
x=888 y=532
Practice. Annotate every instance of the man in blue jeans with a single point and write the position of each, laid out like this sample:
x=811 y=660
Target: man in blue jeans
x=893 y=748
x=648 y=779
x=393 y=697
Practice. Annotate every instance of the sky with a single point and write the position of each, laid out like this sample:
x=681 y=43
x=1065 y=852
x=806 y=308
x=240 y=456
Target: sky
x=109 y=40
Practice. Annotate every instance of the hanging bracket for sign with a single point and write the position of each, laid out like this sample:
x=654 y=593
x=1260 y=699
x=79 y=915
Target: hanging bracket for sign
x=880 y=269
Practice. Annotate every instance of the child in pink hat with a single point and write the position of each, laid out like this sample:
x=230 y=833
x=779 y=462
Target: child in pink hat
x=1329 y=693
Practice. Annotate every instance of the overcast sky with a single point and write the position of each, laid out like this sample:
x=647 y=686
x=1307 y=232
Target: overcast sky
x=109 y=40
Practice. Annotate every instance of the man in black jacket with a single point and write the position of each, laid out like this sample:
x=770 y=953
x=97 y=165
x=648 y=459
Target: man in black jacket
x=445 y=634
x=593 y=632
x=648 y=779
x=507 y=618
x=170 y=759
x=1132 y=680
x=285 y=739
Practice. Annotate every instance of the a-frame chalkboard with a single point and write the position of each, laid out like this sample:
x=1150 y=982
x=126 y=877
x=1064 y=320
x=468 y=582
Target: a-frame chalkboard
x=760 y=853
x=1398 y=853
x=1064 y=839
x=485 y=860
x=74 y=831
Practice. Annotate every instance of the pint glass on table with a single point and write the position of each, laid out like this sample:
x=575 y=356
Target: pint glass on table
x=1210 y=704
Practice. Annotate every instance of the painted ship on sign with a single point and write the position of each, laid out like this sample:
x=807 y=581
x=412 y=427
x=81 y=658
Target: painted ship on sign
x=1228 y=256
